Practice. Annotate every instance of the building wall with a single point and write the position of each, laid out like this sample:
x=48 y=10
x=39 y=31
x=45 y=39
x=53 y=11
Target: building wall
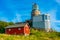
x=19 y=30
x=47 y=25
x=39 y=24
x=26 y=30
x=37 y=18
x=42 y=21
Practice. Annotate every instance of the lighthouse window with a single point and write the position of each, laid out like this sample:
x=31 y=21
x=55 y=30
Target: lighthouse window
x=45 y=17
x=48 y=17
x=19 y=28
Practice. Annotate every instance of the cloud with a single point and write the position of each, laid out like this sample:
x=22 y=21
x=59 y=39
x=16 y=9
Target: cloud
x=17 y=18
x=57 y=21
x=52 y=13
x=55 y=24
x=58 y=1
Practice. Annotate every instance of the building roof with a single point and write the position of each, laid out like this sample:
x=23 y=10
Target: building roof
x=17 y=25
x=20 y=22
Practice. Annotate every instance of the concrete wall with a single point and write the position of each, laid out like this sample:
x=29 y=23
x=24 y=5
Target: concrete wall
x=47 y=25
x=39 y=24
x=42 y=22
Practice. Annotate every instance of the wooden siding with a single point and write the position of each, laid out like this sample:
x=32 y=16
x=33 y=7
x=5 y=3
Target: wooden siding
x=15 y=31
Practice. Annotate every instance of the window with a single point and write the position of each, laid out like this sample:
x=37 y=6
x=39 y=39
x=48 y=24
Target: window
x=48 y=17
x=9 y=29
x=19 y=28
x=45 y=17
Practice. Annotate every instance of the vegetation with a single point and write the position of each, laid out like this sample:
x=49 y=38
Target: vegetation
x=35 y=35
x=4 y=24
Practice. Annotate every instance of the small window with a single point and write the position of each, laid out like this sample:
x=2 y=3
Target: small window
x=45 y=17
x=9 y=29
x=19 y=28
x=48 y=17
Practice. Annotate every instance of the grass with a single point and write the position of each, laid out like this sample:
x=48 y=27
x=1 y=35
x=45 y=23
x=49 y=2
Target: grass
x=35 y=35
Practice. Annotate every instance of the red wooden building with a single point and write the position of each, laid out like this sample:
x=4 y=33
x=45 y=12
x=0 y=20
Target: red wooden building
x=22 y=28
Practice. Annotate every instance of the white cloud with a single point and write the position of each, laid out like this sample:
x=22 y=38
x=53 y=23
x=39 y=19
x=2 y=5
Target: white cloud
x=54 y=22
x=52 y=14
x=58 y=1
x=57 y=21
x=17 y=18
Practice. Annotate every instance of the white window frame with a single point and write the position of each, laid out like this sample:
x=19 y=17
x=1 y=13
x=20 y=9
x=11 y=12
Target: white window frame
x=19 y=28
x=9 y=29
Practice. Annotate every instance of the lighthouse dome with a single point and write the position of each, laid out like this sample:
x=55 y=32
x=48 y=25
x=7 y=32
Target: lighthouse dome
x=35 y=10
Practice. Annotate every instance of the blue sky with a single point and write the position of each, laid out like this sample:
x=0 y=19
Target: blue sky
x=20 y=10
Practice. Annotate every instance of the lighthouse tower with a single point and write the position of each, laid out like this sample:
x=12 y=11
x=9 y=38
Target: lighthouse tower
x=35 y=10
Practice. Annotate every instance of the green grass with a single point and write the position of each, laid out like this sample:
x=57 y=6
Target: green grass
x=35 y=35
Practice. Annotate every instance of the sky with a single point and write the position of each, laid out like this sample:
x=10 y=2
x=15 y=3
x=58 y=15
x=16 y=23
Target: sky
x=20 y=10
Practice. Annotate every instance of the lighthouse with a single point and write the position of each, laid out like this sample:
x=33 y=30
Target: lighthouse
x=39 y=20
